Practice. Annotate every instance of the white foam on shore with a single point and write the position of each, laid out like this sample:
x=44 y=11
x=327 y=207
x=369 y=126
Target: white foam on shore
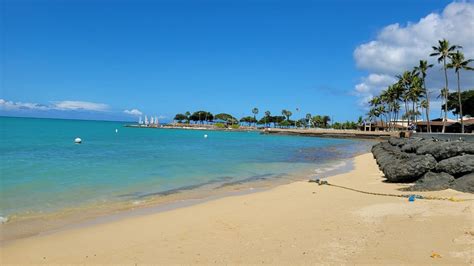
x=3 y=220
x=329 y=168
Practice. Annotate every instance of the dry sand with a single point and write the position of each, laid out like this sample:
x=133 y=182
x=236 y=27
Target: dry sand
x=298 y=223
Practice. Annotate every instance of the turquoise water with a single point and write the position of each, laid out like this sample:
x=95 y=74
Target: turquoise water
x=43 y=170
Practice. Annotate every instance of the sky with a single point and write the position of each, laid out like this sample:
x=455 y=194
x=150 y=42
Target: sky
x=117 y=60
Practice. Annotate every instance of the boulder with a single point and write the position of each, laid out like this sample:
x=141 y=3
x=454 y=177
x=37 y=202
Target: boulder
x=397 y=141
x=408 y=167
x=432 y=181
x=385 y=153
x=465 y=183
x=446 y=149
x=457 y=166
x=413 y=145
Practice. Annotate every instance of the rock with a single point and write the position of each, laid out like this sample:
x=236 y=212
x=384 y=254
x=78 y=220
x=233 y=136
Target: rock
x=457 y=166
x=432 y=181
x=384 y=153
x=447 y=149
x=408 y=167
x=397 y=141
x=465 y=183
x=413 y=145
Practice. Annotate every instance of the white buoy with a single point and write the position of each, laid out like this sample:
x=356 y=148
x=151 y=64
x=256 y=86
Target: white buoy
x=205 y=136
x=116 y=130
x=78 y=140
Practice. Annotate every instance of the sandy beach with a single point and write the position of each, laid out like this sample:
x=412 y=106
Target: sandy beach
x=297 y=223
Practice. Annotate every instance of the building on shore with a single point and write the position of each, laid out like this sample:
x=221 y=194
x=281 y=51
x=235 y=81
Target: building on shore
x=382 y=126
x=452 y=126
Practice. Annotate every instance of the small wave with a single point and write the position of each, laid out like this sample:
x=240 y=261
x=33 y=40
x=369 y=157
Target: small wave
x=3 y=219
x=329 y=168
x=138 y=202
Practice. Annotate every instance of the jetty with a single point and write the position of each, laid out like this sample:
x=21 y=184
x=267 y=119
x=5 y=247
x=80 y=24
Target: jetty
x=332 y=133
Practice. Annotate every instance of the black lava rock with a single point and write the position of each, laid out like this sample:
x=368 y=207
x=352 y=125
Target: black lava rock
x=408 y=169
x=414 y=145
x=465 y=183
x=432 y=181
x=457 y=166
x=446 y=149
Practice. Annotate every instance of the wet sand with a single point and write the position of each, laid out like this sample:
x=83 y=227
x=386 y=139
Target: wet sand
x=296 y=223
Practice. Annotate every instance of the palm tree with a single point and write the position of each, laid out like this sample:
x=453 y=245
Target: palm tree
x=326 y=120
x=458 y=63
x=318 y=120
x=421 y=69
x=372 y=114
x=188 y=115
x=387 y=99
x=444 y=51
x=442 y=94
x=404 y=84
x=414 y=94
x=255 y=112
x=297 y=110
x=267 y=115
x=286 y=113
x=380 y=111
x=425 y=105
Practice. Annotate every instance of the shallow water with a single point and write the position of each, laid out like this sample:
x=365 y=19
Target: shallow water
x=43 y=171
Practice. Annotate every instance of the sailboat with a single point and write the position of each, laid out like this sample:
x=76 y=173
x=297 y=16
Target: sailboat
x=146 y=120
x=140 y=120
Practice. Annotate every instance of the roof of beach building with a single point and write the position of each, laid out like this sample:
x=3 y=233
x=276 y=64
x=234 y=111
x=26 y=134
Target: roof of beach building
x=449 y=122
x=382 y=124
x=442 y=119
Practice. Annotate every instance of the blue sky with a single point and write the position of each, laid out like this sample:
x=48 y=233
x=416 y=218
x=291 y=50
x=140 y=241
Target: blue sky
x=95 y=59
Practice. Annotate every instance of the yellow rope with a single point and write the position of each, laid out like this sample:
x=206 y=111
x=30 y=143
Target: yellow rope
x=322 y=182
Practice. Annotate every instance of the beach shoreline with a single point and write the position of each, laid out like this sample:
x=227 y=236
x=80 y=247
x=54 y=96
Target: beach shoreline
x=19 y=227
x=290 y=223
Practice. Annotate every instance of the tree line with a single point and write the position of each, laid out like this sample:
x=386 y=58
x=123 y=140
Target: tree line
x=267 y=120
x=410 y=93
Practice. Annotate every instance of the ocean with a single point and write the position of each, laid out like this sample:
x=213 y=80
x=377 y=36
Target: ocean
x=43 y=171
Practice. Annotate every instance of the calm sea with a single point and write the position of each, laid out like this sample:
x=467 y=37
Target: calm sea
x=42 y=170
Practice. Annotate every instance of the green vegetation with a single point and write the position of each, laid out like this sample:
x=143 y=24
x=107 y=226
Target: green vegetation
x=220 y=125
x=180 y=117
x=345 y=125
x=255 y=113
x=224 y=120
x=467 y=103
x=249 y=120
x=458 y=63
x=410 y=90
x=201 y=117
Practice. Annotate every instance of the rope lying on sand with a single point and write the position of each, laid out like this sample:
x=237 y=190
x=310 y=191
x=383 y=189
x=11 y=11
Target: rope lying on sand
x=411 y=197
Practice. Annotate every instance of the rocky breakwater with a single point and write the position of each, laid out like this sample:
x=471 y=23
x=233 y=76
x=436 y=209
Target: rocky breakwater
x=431 y=164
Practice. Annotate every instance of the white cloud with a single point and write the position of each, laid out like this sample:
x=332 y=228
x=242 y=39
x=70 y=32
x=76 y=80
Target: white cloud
x=78 y=105
x=397 y=48
x=62 y=106
x=10 y=105
x=135 y=112
x=372 y=85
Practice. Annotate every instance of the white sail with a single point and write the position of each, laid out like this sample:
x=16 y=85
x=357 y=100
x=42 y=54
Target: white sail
x=152 y=120
x=156 y=121
x=140 y=120
x=146 y=120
